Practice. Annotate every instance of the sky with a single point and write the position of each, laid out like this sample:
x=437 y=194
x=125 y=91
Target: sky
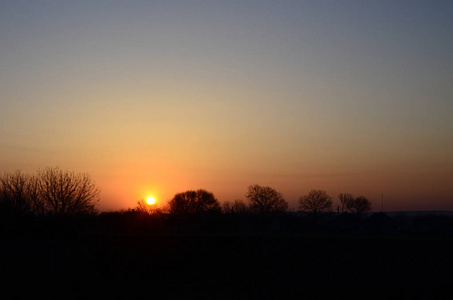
x=152 y=98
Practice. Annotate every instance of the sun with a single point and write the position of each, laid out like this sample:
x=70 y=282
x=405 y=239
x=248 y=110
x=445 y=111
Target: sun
x=150 y=200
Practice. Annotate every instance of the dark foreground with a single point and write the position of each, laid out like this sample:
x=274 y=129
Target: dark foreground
x=249 y=266
x=134 y=255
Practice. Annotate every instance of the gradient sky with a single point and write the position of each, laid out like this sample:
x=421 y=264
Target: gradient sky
x=157 y=97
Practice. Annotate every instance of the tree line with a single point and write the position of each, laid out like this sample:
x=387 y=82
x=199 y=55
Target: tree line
x=53 y=191
x=265 y=199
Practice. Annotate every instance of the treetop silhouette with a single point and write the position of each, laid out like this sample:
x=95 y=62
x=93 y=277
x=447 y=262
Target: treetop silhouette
x=264 y=199
x=51 y=192
x=315 y=201
x=192 y=202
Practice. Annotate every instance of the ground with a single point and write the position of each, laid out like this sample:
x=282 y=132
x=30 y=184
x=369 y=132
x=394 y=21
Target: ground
x=224 y=266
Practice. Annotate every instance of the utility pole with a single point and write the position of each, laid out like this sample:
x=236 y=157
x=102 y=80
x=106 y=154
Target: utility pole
x=382 y=202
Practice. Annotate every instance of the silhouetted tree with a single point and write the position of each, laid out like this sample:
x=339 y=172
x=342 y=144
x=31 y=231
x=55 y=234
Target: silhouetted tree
x=52 y=192
x=360 y=205
x=192 y=202
x=227 y=207
x=19 y=193
x=238 y=206
x=66 y=193
x=346 y=201
x=315 y=201
x=264 y=199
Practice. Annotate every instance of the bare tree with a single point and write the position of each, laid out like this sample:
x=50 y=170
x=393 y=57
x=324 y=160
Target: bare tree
x=67 y=193
x=265 y=199
x=238 y=206
x=360 y=205
x=346 y=200
x=227 y=207
x=315 y=201
x=191 y=202
x=52 y=191
x=19 y=192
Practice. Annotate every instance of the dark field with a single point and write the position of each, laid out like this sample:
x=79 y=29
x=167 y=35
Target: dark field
x=72 y=264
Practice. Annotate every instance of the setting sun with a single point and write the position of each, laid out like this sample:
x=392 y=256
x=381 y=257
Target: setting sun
x=150 y=201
